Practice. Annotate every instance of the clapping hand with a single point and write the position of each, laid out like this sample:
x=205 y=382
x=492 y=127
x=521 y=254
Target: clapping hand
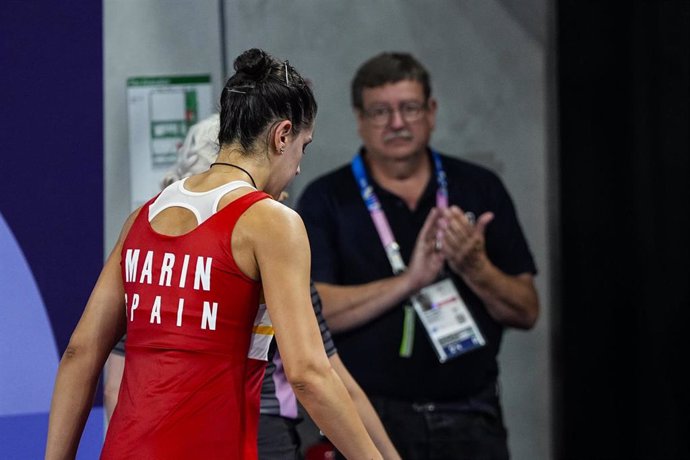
x=461 y=240
x=426 y=262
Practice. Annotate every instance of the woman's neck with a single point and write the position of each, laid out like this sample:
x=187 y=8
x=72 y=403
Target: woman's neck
x=234 y=161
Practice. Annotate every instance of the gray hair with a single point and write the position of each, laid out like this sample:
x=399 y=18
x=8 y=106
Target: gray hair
x=199 y=150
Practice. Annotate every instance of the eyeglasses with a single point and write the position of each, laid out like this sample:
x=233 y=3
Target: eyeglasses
x=380 y=115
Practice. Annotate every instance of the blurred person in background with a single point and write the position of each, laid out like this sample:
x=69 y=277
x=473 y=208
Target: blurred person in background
x=421 y=264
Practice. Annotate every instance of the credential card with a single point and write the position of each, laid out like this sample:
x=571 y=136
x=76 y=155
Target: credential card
x=447 y=320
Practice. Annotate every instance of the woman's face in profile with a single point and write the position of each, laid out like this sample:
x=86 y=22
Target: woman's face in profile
x=295 y=150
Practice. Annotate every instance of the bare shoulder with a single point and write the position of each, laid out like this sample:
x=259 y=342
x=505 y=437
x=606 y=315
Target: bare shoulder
x=128 y=224
x=275 y=227
x=273 y=217
x=268 y=234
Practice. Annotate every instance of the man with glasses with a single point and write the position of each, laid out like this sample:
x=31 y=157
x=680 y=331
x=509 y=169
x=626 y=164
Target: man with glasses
x=421 y=263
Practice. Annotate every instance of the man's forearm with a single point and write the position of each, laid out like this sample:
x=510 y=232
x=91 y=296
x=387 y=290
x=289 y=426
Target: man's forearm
x=346 y=307
x=510 y=300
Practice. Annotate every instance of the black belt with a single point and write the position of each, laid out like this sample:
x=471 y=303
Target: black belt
x=485 y=401
x=456 y=406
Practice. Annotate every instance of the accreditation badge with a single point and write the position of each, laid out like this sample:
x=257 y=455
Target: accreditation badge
x=447 y=320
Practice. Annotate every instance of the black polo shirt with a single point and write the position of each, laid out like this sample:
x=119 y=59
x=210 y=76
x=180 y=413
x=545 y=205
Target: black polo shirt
x=346 y=250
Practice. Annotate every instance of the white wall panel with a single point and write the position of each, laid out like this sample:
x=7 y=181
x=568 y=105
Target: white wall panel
x=148 y=38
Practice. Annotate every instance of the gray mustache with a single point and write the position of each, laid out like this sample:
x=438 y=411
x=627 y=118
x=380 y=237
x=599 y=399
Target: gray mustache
x=404 y=134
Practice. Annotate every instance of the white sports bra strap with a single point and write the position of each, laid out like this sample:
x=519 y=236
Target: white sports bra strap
x=202 y=204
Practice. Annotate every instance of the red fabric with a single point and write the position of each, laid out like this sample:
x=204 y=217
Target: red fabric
x=187 y=391
x=323 y=450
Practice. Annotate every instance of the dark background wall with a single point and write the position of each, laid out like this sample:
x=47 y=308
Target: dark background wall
x=623 y=120
x=51 y=191
x=51 y=198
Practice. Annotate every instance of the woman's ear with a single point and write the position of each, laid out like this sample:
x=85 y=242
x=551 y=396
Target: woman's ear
x=281 y=135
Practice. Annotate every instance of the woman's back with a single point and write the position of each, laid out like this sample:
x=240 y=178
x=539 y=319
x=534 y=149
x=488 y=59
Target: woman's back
x=189 y=389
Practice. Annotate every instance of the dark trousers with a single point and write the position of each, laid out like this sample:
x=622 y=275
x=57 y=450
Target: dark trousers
x=471 y=429
x=278 y=438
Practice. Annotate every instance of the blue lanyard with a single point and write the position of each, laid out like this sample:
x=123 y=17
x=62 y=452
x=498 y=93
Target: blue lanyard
x=379 y=217
x=388 y=240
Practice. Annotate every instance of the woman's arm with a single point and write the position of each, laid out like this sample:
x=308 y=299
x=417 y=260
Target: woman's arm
x=366 y=411
x=101 y=325
x=282 y=253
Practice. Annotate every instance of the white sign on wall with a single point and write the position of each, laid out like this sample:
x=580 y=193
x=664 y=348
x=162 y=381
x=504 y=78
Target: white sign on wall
x=160 y=111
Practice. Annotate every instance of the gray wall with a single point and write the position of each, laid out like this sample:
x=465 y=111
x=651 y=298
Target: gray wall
x=148 y=38
x=488 y=65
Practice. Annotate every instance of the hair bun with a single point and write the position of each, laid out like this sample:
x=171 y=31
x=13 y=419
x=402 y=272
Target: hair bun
x=254 y=63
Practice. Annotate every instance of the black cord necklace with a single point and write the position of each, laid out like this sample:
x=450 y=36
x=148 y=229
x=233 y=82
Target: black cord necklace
x=238 y=167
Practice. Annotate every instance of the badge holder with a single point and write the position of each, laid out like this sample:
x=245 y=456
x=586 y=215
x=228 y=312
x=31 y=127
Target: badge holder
x=447 y=320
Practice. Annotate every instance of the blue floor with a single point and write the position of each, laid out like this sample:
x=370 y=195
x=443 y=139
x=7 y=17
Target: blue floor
x=23 y=437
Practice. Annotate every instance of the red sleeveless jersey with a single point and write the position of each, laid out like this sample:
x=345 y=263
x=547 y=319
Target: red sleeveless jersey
x=188 y=390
